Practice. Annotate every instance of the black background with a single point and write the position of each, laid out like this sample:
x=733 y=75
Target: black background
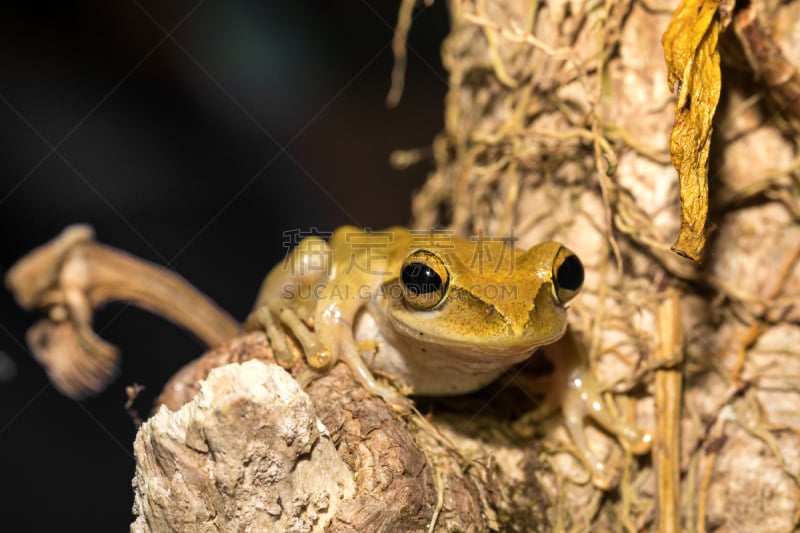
x=172 y=150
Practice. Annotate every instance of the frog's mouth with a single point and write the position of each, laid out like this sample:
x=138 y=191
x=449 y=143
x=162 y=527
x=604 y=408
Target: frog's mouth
x=467 y=335
x=507 y=346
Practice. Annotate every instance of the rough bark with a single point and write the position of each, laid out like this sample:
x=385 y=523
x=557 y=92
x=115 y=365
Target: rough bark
x=247 y=453
x=407 y=473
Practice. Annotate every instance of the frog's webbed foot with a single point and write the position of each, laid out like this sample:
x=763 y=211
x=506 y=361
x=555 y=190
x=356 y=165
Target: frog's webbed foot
x=318 y=355
x=267 y=318
x=573 y=388
x=351 y=355
x=582 y=399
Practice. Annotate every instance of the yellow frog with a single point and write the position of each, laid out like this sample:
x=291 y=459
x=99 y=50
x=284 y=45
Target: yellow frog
x=440 y=314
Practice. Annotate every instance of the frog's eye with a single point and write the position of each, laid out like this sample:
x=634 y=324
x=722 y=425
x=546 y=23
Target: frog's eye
x=424 y=278
x=567 y=275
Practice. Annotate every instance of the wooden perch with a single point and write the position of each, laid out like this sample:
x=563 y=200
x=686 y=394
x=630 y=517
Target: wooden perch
x=246 y=454
x=72 y=275
x=408 y=475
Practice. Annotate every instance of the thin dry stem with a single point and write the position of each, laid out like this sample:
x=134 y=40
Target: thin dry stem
x=668 y=394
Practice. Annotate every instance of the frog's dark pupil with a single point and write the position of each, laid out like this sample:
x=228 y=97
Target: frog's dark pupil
x=570 y=274
x=419 y=278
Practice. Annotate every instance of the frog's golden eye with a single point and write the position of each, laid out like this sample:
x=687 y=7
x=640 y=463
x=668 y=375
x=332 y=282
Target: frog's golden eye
x=567 y=275
x=424 y=278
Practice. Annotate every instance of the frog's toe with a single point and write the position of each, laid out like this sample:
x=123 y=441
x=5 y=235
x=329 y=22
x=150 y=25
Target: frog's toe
x=398 y=403
x=370 y=346
x=601 y=477
x=641 y=443
x=320 y=358
x=395 y=399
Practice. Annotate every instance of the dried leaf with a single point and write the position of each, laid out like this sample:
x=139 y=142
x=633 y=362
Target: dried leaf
x=690 y=49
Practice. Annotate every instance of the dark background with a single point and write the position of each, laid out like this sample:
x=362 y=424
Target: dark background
x=174 y=151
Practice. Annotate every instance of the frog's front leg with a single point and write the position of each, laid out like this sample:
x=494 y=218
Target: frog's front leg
x=302 y=294
x=331 y=340
x=573 y=387
x=288 y=297
x=334 y=327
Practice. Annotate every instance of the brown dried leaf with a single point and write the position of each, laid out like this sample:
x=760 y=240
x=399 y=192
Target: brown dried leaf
x=690 y=49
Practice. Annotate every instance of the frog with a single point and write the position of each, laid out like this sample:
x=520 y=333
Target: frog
x=439 y=315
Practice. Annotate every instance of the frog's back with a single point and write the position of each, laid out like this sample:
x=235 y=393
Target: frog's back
x=368 y=253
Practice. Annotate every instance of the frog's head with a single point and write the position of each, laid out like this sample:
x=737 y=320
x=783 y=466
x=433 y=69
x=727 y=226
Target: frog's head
x=495 y=300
